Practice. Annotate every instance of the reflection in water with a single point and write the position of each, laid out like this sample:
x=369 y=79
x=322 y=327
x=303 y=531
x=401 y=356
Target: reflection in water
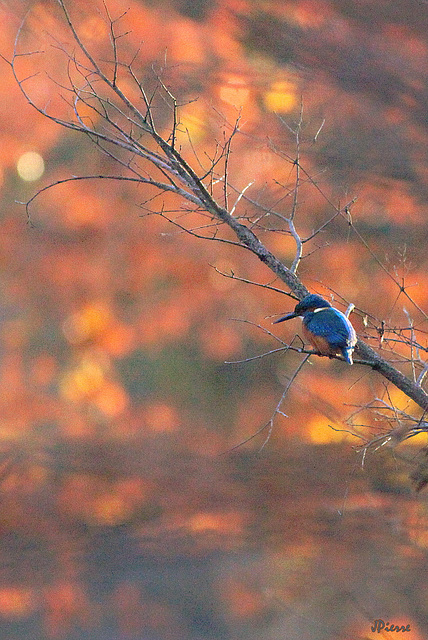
x=110 y=322
x=145 y=541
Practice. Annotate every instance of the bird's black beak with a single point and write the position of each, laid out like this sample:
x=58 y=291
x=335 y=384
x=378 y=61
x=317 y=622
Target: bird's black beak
x=288 y=316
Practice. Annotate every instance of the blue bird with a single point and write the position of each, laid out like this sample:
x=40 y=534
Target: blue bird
x=327 y=329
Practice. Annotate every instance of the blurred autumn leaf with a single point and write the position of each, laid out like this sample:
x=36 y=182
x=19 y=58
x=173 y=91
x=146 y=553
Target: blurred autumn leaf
x=115 y=326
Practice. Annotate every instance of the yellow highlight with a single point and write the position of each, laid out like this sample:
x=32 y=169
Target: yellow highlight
x=83 y=381
x=87 y=323
x=419 y=440
x=192 y=125
x=400 y=401
x=320 y=432
x=30 y=166
x=281 y=97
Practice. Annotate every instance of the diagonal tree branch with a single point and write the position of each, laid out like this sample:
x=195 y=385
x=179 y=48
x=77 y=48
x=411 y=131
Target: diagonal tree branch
x=120 y=118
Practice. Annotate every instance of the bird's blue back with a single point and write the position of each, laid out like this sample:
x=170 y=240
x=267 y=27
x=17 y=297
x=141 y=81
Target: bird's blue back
x=331 y=324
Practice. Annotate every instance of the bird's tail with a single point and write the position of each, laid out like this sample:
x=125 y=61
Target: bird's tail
x=347 y=354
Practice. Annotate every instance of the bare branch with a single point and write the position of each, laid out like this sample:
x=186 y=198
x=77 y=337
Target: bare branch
x=128 y=135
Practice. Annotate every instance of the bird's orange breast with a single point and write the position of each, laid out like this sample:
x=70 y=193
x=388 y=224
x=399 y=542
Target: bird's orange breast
x=319 y=343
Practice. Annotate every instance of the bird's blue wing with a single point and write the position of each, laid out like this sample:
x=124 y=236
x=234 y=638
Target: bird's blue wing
x=332 y=325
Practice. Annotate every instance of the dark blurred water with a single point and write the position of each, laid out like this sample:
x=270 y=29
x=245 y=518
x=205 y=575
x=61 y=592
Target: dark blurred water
x=301 y=543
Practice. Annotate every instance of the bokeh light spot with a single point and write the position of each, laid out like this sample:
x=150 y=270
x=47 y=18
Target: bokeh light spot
x=281 y=97
x=30 y=166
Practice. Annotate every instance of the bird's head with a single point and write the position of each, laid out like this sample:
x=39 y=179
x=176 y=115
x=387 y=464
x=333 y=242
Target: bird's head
x=309 y=303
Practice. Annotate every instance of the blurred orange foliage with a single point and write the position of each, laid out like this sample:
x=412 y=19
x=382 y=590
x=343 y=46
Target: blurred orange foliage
x=115 y=327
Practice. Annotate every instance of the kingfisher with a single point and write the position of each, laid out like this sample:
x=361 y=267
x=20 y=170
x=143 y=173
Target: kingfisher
x=327 y=329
